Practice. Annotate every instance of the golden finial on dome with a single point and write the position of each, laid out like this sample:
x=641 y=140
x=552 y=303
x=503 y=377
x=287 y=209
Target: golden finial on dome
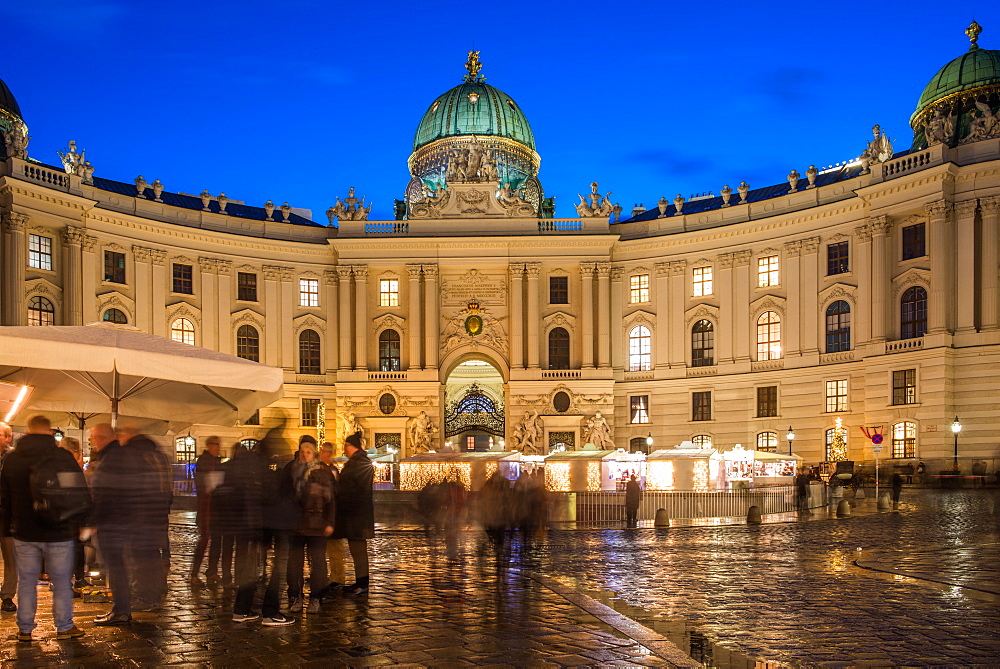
x=473 y=66
x=973 y=32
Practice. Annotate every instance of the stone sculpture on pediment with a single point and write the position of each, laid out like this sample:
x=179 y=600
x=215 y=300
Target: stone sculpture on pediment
x=879 y=149
x=16 y=140
x=72 y=160
x=598 y=207
x=350 y=209
x=940 y=128
x=490 y=333
x=984 y=126
x=513 y=201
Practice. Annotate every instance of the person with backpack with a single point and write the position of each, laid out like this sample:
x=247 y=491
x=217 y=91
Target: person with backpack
x=40 y=506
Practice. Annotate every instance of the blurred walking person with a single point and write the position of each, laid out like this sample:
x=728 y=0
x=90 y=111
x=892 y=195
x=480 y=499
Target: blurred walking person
x=334 y=547
x=633 y=495
x=313 y=485
x=9 y=588
x=356 y=510
x=280 y=518
x=495 y=509
x=36 y=537
x=207 y=476
x=239 y=513
x=72 y=444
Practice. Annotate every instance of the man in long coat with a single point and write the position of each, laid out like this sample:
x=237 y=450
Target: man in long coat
x=356 y=510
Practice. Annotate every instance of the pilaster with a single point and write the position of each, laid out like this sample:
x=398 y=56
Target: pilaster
x=618 y=309
x=990 y=262
x=791 y=335
x=661 y=272
x=532 y=270
x=73 y=238
x=432 y=324
x=861 y=322
x=331 y=342
x=16 y=260
x=727 y=298
x=880 y=227
x=604 y=314
x=516 y=315
x=158 y=267
x=942 y=271
x=209 y=302
x=965 y=253
x=587 y=271
x=416 y=331
x=809 y=295
x=346 y=357
x=361 y=316
x=741 y=281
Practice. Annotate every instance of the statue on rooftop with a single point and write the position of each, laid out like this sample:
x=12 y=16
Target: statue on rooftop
x=351 y=209
x=16 y=141
x=71 y=160
x=598 y=207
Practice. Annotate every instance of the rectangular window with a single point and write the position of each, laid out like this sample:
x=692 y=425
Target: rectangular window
x=183 y=279
x=470 y=443
x=308 y=292
x=388 y=293
x=39 y=252
x=310 y=411
x=913 y=241
x=767 y=271
x=767 y=401
x=702 y=281
x=638 y=288
x=114 y=267
x=701 y=405
x=836 y=395
x=246 y=286
x=904 y=440
x=904 y=386
x=837 y=258
x=558 y=290
x=639 y=408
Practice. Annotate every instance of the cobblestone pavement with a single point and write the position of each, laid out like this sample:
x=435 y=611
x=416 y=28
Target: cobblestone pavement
x=787 y=593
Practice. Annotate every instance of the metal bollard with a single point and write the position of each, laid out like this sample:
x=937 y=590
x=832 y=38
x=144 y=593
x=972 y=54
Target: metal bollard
x=843 y=509
x=662 y=519
x=753 y=515
x=884 y=503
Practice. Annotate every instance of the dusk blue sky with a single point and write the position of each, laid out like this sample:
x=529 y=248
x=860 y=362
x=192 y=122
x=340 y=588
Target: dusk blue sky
x=297 y=101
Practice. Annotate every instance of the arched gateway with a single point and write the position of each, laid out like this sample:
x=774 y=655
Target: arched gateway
x=474 y=417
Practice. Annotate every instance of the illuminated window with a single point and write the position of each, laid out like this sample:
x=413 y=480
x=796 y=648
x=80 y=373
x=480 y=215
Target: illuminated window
x=183 y=279
x=904 y=386
x=39 y=252
x=308 y=292
x=558 y=290
x=115 y=316
x=248 y=343
x=388 y=351
x=639 y=349
x=246 y=286
x=701 y=441
x=913 y=241
x=769 y=336
x=768 y=442
x=558 y=348
x=904 y=439
x=114 y=267
x=703 y=344
x=638 y=288
x=836 y=395
x=388 y=293
x=837 y=258
x=639 y=408
x=701 y=405
x=767 y=401
x=310 y=411
x=185 y=449
x=767 y=271
x=838 y=327
x=913 y=313
x=834 y=454
x=181 y=330
x=309 y=352
x=41 y=312
x=702 y=281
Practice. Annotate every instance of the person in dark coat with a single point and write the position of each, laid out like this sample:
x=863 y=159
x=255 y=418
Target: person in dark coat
x=313 y=485
x=897 y=486
x=356 y=510
x=206 y=475
x=35 y=539
x=240 y=514
x=280 y=517
x=633 y=495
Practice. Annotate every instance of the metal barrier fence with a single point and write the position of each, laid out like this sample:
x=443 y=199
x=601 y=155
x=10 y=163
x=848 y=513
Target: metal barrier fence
x=602 y=507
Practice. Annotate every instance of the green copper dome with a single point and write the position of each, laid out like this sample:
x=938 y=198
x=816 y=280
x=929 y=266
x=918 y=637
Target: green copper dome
x=975 y=68
x=474 y=108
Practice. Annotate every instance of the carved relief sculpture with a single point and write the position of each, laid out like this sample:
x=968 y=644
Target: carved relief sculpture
x=421 y=433
x=984 y=126
x=528 y=433
x=598 y=433
x=940 y=128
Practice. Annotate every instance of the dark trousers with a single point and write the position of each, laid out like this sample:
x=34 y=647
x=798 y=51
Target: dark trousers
x=297 y=547
x=148 y=559
x=247 y=549
x=275 y=542
x=631 y=516
x=220 y=546
x=114 y=542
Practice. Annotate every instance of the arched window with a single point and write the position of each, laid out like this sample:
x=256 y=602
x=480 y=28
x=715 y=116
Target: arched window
x=639 y=349
x=703 y=344
x=309 y=352
x=115 y=316
x=913 y=313
x=702 y=441
x=769 y=336
x=838 y=327
x=831 y=452
x=558 y=348
x=182 y=330
x=388 y=351
x=767 y=441
x=41 y=312
x=904 y=439
x=248 y=343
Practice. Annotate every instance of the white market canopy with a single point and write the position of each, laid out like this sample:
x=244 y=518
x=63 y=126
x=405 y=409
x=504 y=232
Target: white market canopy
x=106 y=369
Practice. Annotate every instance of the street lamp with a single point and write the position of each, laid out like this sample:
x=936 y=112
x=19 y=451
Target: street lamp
x=956 y=427
x=790 y=436
x=649 y=443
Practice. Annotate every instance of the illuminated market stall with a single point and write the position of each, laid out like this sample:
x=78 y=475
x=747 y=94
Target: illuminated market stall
x=470 y=469
x=746 y=467
x=685 y=468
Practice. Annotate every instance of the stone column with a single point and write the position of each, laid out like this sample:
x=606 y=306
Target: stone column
x=965 y=252
x=361 y=317
x=942 y=272
x=272 y=314
x=664 y=317
x=726 y=291
x=790 y=334
x=617 y=339
x=809 y=296
x=331 y=342
x=988 y=279
x=158 y=259
x=516 y=316
x=209 y=302
x=346 y=357
x=16 y=310
x=603 y=314
x=284 y=327
x=587 y=270
x=861 y=321
x=73 y=238
x=432 y=322
x=224 y=307
x=534 y=316
x=415 y=328
x=742 y=336
x=880 y=227
x=143 y=289
x=677 y=269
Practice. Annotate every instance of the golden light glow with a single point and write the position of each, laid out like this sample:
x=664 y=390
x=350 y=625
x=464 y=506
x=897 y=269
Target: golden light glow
x=415 y=475
x=491 y=469
x=321 y=422
x=383 y=472
x=16 y=406
x=660 y=475
x=700 y=477
x=593 y=476
x=557 y=476
x=838 y=446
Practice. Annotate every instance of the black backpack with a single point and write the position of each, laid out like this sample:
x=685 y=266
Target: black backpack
x=58 y=494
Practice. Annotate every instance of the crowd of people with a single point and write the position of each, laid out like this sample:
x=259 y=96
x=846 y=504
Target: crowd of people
x=257 y=523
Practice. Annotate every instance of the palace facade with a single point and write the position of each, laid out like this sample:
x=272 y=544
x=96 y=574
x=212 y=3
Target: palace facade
x=864 y=293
